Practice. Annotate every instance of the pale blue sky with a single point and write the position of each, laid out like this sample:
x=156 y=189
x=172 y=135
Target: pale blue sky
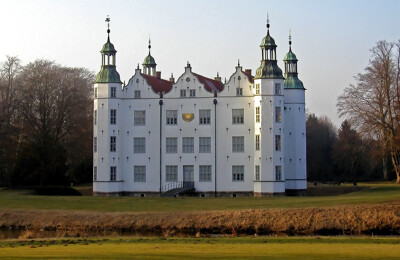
x=330 y=38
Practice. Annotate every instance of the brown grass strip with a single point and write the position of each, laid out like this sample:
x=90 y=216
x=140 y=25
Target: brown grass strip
x=382 y=219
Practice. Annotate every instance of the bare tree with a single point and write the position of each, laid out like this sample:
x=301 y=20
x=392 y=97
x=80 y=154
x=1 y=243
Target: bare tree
x=9 y=125
x=372 y=103
x=56 y=114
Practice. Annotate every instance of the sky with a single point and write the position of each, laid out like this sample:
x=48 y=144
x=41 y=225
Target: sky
x=331 y=39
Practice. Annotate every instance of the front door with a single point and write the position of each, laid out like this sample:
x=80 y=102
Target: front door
x=188 y=173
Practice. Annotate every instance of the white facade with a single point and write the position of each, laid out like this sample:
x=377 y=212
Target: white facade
x=243 y=137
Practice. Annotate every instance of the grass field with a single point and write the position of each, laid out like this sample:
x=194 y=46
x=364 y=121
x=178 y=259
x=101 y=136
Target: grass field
x=20 y=199
x=205 y=248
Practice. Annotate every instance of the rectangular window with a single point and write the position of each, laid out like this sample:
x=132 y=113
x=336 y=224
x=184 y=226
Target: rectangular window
x=278 y=173
x=205 y=116
x=277 y=88
x=172 y=117
x=237 y=116
x=192 y=93
x=257 y=89
x=95 y=144
x=257 y=173
x=113 y=92
x=278 y=114
x=238 y=144
x=183 y=92
x=113 y=173
x=205 y=173
x=257 y=114
x=171 y=173
x=257 y=142
x=137 y=93
x=171 y=145
x=239 y=92
x=139 y=173
x=113 y=116
x=238 y=173
x=113 y=143
x=95 y=92
x=277 y=142
x=188 y=145
x=139 y=117
x=95 y=117
x=95 y=173
x=139 y=145
x=204 y=144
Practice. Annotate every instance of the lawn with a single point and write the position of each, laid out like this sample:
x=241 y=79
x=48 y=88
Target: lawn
x=20 y=199
x=205 y=248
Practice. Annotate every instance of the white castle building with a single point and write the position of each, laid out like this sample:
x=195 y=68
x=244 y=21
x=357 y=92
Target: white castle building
x=246 y=136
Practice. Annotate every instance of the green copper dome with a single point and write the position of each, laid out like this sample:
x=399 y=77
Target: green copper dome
x=292 y=81
x=269 y=70
x=108 y=47
x=108 y=74
x=149 y=60
x=268 y=41
x=290 y=56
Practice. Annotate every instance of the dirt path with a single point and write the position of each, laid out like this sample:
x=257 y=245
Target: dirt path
x=383 y=219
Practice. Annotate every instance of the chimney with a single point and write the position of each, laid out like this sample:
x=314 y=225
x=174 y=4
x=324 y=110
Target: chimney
x=248 y=71
x=171 y=79
x=217 y=78
x=158 y=74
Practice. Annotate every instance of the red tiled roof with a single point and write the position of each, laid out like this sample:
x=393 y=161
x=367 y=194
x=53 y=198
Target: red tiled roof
x=158 y=85
x=251 y=78
x=210 y=85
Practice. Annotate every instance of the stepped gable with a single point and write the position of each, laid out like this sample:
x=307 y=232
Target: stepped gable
x=210 y=85
x=157 y=84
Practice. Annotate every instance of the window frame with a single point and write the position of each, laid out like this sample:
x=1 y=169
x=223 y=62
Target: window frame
x=278 y=172
x=258 y=115
x=239 y=92
x=204 y=146
x=113 y=116
x=278 y=143
x=171 y=117
x=138 y=118
x=113 y=173
x=139 y=145
x=237 y=173
x=278 y=114
x=113 y=143
x=187 y=144
x=237 y=144
x=171 y=176
x=204 y=116
x=113 y=92
x=238 y=116
x=205 y=173
x=257 y=142
x=137 y=94
x=139 y=173
x=171 y=148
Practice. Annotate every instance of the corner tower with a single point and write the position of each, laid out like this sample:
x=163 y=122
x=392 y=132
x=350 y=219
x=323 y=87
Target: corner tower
x=295 y=127
x=268 y=105
x=107 y=175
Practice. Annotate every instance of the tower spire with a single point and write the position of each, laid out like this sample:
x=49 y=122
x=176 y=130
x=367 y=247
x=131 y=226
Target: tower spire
x=267 y=23
x=149 y=44
x=108 y=28
x=290 y=39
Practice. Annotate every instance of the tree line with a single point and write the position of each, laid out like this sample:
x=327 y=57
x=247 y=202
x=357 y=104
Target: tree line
x=45 y=123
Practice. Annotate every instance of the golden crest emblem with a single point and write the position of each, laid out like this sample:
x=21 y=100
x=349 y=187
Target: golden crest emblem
x=187 y=117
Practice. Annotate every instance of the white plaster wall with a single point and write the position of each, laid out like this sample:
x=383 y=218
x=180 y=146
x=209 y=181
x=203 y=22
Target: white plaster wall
x=295 y=135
